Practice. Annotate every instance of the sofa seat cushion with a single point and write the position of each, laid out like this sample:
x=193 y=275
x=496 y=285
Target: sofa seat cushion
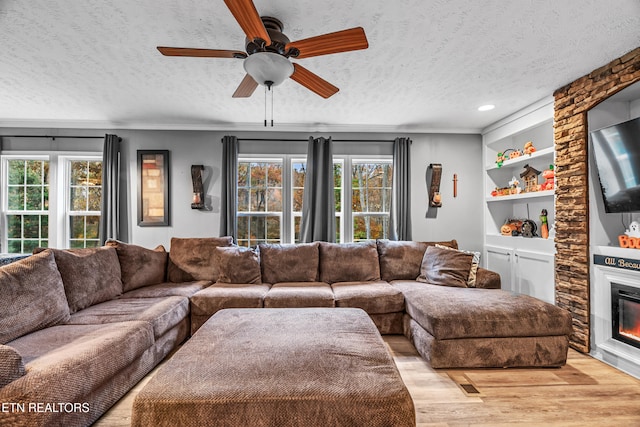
x=162 y=313
x=66 y=363
x=453 y=313
x=373 y=297
x=11 y=365
x=401 y=260
x=227 y=295
x=168 y=289
x=299 y=295
x=32 y=296
x=289 y=263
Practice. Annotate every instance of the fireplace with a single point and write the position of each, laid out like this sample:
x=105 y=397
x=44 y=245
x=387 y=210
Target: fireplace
x=625 y=314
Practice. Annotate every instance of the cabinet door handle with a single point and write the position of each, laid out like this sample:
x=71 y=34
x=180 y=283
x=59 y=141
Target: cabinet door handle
x=499 y=252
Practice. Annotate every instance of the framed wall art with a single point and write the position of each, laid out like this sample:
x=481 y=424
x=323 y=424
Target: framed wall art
x=153 y=188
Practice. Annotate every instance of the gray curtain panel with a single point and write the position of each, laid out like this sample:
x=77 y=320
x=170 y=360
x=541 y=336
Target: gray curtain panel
x=318 y=202
x=229 y=196
x=400 y=215
x=113 y=220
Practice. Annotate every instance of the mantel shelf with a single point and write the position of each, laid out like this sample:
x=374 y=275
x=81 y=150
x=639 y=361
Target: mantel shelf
x=531 y=195
x=511 y=163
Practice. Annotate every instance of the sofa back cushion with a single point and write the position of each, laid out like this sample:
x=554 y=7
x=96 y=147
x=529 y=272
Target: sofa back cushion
x=140 y=266
x=289 y=263
x=349 y=262
x=90 y=275
x=401 y=260
x=32 y=296
x=192 y=258
x=237 y=265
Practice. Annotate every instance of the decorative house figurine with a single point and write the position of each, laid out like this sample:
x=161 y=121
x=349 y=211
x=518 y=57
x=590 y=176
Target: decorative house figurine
x=530 y=177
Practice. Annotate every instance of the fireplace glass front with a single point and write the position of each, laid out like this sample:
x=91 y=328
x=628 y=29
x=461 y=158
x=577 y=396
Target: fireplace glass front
x=625 y=313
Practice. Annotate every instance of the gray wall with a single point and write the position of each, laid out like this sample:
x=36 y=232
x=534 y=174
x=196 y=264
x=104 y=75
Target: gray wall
x=459 y=218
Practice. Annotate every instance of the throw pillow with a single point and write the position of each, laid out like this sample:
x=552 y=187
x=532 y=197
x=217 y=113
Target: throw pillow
x=471 y=282
x=237 y=265
x=140 y=266
x=191 y=258
x=33 y=296
x=289 y=263
x=445 y=267
x=90 y=276
x=11 y=365
x=401 y=260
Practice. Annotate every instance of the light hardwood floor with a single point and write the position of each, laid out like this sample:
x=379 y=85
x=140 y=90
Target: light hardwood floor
x=585 y=392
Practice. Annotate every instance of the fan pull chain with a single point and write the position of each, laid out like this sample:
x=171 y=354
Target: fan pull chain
x=265 y=106
x=272 y=92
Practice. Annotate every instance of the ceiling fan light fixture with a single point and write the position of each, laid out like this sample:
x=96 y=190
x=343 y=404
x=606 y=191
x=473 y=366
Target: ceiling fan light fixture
x=266 y=67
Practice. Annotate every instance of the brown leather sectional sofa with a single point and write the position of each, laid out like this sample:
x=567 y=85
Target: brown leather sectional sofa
x=79 y=328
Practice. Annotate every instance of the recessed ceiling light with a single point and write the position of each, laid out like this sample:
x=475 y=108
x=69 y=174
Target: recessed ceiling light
x=487 y=107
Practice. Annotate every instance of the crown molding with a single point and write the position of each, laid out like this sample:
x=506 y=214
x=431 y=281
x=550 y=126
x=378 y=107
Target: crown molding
x=228 y=127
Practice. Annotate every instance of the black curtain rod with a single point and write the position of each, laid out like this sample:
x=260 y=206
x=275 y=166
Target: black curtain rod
x=52 y=136
x=305 y=140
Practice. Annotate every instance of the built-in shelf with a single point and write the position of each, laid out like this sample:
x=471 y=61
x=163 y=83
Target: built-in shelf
x=511 y=197
x=545 y=152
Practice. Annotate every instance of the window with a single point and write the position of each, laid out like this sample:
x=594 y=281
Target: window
x=27 y=216
x=270 y=196
x=298 y=175
x=85 y=196
x=50 y=200
x=370 y=199
x=259 y=201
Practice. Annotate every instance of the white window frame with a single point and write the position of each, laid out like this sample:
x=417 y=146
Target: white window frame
x=59 y=192
x=65 y=161
x=351 y=160
x=283 y=214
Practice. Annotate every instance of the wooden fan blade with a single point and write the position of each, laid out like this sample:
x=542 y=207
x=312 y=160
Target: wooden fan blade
x=201 y=53
x=340 y=41
x=313 y=82
x=246 y=88
x=247 y=16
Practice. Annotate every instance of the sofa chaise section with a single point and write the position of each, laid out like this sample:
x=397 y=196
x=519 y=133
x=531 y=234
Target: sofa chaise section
x=455 y=327
x=93 y=365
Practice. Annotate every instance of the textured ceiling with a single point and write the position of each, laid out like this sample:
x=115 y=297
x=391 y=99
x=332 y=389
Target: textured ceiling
x=429 y=65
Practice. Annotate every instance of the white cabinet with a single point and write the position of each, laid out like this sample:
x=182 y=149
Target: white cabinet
x=523 y=271
x=526 y=265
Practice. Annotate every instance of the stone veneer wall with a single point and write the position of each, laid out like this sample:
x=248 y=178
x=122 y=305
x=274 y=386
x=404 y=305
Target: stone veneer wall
x=571 y=133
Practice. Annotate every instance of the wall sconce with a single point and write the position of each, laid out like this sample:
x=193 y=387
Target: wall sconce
x=197 y=202
x=434 y=174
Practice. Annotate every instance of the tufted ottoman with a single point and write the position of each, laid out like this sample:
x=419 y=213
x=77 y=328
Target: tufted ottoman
x=279 y=367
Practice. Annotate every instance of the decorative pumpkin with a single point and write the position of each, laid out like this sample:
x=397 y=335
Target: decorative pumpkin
x=548 y=176
x=529 y=148
x=515 y=154
x=506 y=230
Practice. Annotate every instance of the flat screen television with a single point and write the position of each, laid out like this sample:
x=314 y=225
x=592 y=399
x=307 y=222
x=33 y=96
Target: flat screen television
x=616 y=152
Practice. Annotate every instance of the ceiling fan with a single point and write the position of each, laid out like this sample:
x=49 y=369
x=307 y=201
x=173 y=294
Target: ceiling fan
x=268 y=50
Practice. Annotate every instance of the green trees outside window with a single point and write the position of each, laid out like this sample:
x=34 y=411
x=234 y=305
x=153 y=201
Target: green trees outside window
x=27 y=205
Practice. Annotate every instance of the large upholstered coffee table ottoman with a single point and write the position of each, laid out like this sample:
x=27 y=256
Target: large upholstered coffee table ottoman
x=279 y=367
